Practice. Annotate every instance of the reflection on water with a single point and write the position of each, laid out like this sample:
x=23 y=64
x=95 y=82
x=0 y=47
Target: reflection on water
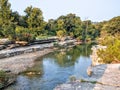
x=55 y=68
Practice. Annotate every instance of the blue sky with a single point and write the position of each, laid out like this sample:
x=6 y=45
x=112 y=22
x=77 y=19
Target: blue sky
x=95 y=10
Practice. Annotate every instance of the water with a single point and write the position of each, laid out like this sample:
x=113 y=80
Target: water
x=55 y=68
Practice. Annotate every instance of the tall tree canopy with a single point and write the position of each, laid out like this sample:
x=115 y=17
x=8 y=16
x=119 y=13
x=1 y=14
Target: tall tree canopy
x=6 y=20
x=34 y=19
x=113 y=25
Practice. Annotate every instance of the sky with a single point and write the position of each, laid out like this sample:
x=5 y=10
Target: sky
x=95 y=10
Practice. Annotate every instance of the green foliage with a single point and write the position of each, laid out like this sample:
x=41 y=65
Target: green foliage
x=61 y=33
x=113 y=25
x=24 y=34
x=7 y=26
x=41 y=37
x=72 y=24
x=19 y=20
x=112 y=53
x=34 y=17
x=32 y=25
x=110 y=37
x=2 y=74
x=89 y=31
x=3 y=78
x=51 y=27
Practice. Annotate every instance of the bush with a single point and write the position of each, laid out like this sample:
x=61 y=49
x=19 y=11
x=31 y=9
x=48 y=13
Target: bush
x=24 y=34
x=112 y=53
x=61 y=33
x=3 y=76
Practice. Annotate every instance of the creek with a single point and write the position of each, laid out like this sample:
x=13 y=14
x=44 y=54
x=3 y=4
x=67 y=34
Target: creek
x=55 y=68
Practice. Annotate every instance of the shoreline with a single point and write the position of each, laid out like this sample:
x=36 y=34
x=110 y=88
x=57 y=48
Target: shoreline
x=21 y=62
x=24 y=50
x=101 y=76
x=18 y=60
x=104 y=77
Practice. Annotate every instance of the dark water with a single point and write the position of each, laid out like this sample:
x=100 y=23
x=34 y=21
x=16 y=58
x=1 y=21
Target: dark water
x=55 y=68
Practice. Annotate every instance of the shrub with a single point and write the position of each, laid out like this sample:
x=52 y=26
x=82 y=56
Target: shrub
x=61 y=33
x=3 y=76
x=112 y=53
x=24 y=34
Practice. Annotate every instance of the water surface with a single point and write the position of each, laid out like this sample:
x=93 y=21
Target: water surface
x=55 y=68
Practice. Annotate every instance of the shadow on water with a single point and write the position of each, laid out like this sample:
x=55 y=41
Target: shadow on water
x=55 y=68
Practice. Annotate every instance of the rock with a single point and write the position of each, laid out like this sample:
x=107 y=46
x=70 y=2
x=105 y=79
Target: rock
x=95 y=59
x=3 y=55
x=104 y=77
x=10 y=79
x=22 y=43
x=12 y=46
x=28 y=50
x=30 y=73
x=89 y=71
x=2 y=47
x=5 y=41
x=22 y=50
x=7 y=70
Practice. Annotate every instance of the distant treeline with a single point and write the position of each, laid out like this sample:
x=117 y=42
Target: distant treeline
x=31 y=25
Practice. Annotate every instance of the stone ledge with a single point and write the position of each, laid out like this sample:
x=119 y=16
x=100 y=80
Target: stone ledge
x=104 y=77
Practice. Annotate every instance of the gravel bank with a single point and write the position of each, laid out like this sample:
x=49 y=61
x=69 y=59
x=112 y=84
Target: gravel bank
x=21 y=62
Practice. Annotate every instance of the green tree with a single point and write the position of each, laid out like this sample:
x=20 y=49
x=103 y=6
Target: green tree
x=72 y=24
x=24 y=34
x=34 y=19
x=61 y=33
x=112 y=53
x=113 y=25
x=51 y=27
x=89 y=31
x=19 y=20
x=7 y=26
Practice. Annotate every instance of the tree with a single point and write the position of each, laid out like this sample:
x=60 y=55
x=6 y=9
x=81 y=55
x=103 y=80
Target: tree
x=112 y=53
x=24 y=34
x=71 y=23
x=19 y=20
x=61 y=33
x=7 y=26
x=34 y=19
x=113 y=25
x=51 y=27
x=89 y=31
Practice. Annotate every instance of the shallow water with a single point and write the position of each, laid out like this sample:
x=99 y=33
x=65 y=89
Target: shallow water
x=55 y=68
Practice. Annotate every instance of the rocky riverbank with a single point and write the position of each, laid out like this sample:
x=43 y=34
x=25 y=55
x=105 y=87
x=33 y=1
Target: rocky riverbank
x=23 y=57
x=20 y=63
x=104 y=77
x=23 y=50
x=19 y=59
